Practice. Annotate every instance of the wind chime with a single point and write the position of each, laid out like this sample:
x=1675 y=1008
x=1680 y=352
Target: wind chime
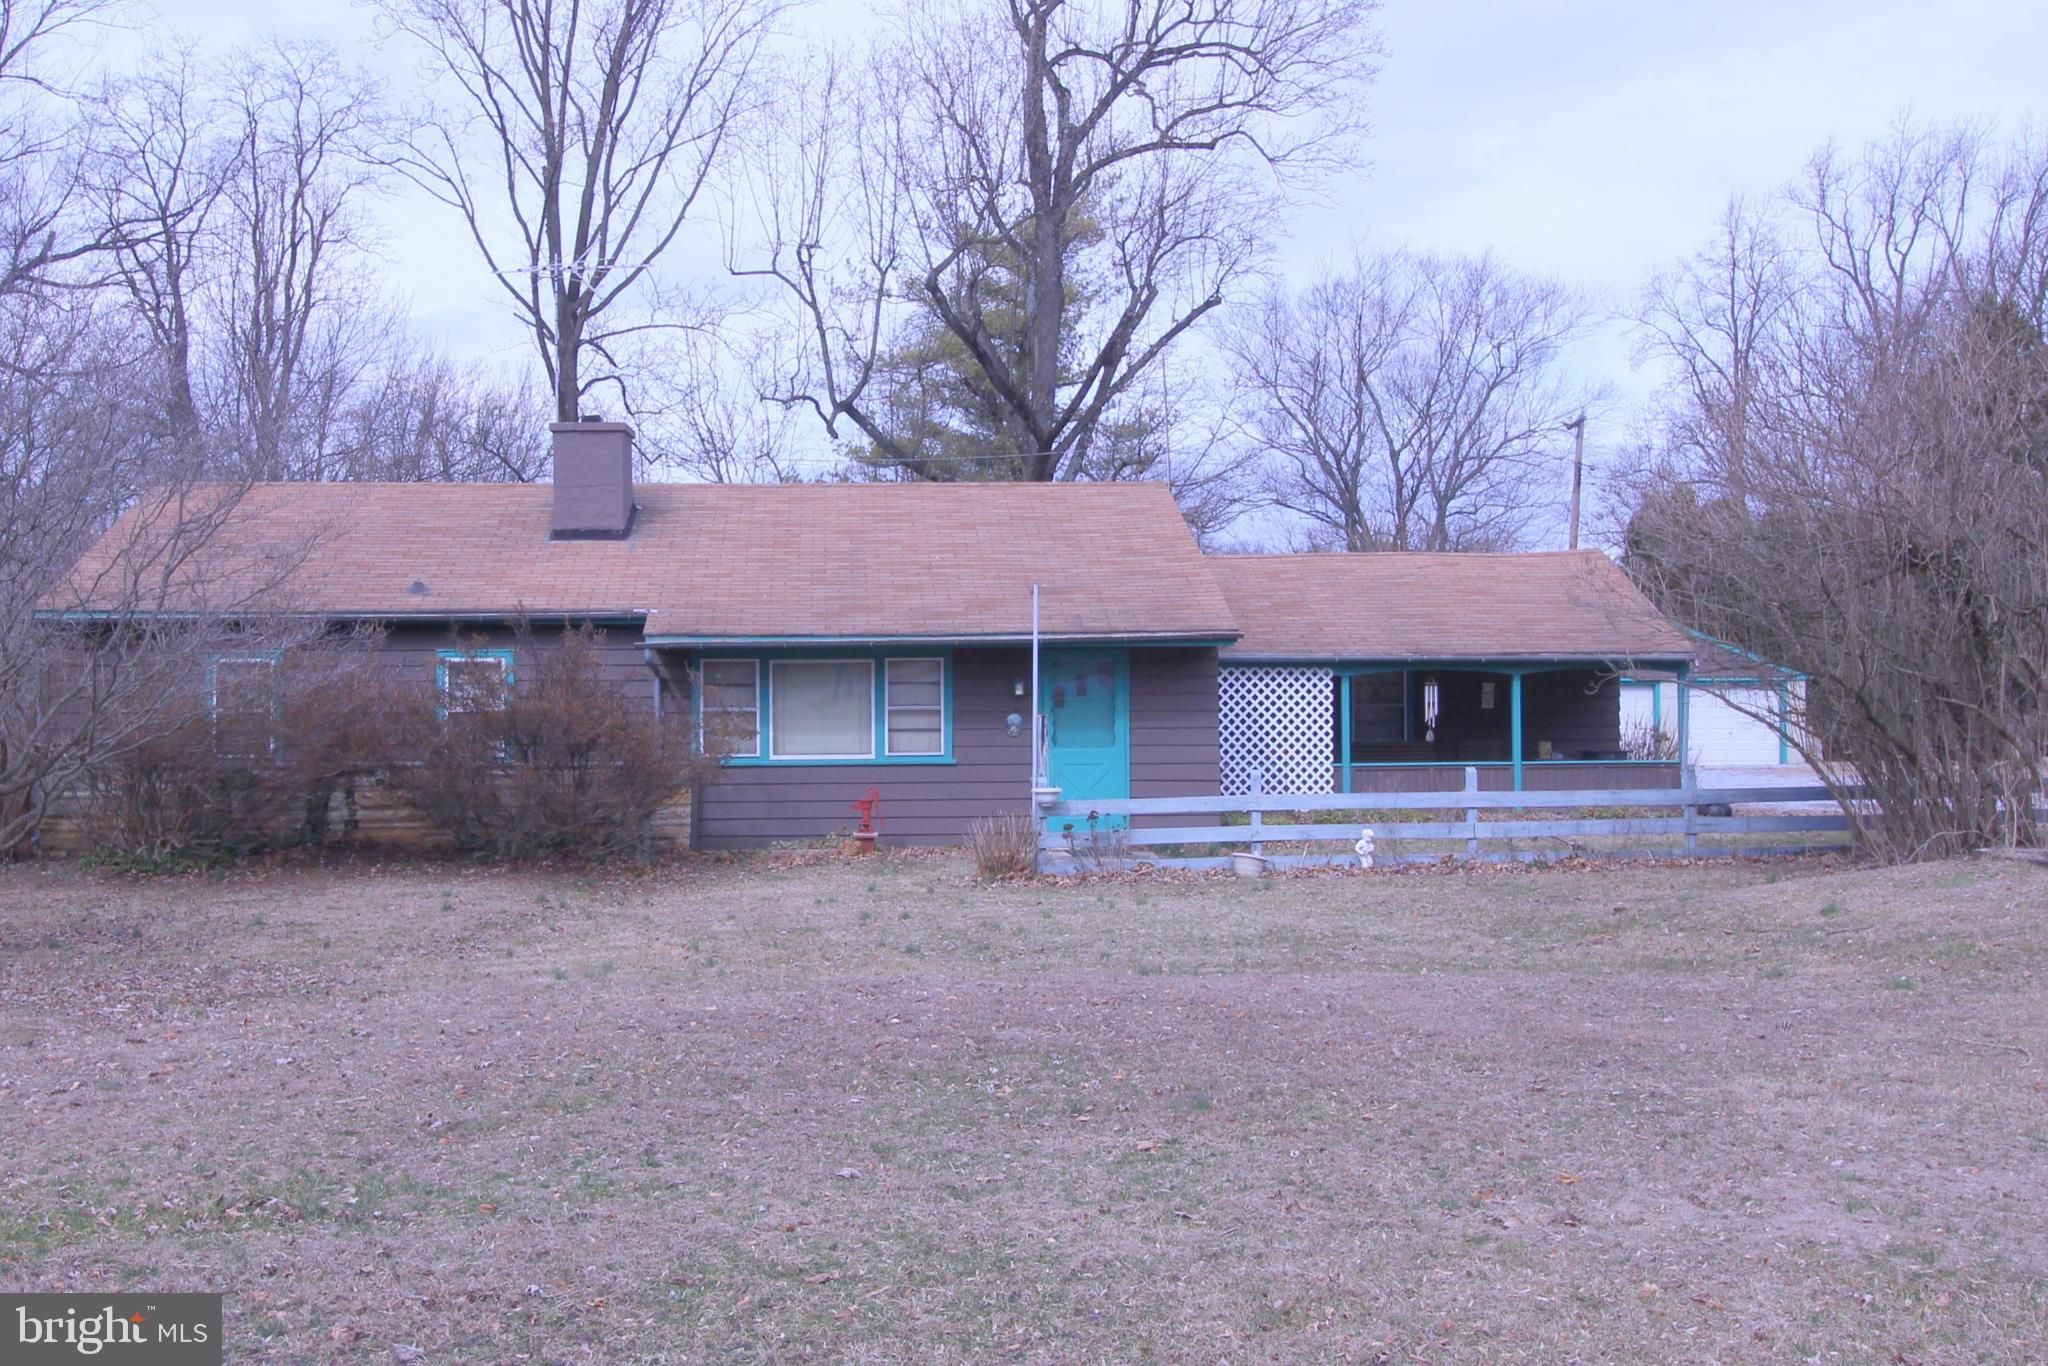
x=1432 y=707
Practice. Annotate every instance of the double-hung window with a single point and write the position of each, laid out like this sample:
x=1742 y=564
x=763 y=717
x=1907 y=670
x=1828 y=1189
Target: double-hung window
x=244 y=700
x=474 y=684
x=915 y=703
x=732 y=707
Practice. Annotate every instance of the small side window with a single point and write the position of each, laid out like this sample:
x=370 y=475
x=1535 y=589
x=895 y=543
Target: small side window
x=244 y=702
x=474 y=684
x=916 y=705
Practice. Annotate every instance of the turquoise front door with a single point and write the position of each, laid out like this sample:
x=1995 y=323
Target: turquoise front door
x=1086 y=698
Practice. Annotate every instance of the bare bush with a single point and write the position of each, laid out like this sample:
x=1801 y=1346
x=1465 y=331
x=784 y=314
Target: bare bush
x=250 y=751
x=1854 y=470
x=1004 y=846
x=556 y=761
x=1645 y=741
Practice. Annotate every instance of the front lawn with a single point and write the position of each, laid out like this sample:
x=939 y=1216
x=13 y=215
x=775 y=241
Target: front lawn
x=763 y=1109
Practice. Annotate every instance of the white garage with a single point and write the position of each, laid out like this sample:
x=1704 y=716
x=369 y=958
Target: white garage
x=1743 y=711
x=1730 y=725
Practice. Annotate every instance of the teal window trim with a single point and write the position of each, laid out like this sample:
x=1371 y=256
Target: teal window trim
x=883 y=670
x=758 y=712
x=443 y=658
x=272 y=658
x=878 y=755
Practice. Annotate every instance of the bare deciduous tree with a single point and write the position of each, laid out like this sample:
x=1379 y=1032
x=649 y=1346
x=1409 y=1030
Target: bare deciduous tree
x=1412 y=402
x=90 y=663
x=1052 y=193
x=157 y=177
x=299 y=320
x=237 y=212
x=589 y=132
x=1854 y=478
x=47 y=232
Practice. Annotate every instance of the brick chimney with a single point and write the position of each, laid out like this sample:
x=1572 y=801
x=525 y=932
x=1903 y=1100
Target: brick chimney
x=593 y=480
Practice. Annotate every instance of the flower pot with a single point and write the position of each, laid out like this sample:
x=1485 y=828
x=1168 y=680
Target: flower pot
x=1045 y=796
x=1248 y=865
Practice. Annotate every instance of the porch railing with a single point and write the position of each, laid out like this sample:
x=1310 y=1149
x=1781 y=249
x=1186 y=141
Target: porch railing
x=1081 y=832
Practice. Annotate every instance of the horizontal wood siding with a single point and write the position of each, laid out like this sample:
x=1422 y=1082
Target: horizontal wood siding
x=414 y=651
x=754 y=807
x=1173 y=754
x=1175 y=742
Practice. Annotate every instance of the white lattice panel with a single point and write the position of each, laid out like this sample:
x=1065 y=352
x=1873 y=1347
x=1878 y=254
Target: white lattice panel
x=1278 y=721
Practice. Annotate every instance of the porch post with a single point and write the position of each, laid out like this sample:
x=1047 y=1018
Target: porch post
x=1515 y=724
x=1684 y=717
x=1784 y=723
x=1344 y=727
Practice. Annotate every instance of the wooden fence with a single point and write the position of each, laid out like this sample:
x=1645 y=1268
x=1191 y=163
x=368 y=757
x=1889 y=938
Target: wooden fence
x=1086 y=833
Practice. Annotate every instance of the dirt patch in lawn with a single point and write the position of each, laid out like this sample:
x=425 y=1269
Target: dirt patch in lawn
x=877 y=1111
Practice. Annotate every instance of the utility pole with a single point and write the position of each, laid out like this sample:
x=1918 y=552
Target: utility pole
x=1577 y=427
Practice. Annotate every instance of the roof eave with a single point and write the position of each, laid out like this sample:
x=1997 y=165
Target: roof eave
x=1185 y=639
x=1510 y=657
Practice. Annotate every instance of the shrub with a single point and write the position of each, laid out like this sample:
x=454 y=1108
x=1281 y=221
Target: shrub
x=1004 y=846
x=249 y=753
x=560 y=762
x=1643 y=740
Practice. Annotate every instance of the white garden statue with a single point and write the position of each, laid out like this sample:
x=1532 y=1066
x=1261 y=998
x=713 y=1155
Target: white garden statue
x=1364 y=848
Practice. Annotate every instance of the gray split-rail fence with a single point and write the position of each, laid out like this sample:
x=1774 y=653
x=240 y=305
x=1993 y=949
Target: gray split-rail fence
x=1078 y=835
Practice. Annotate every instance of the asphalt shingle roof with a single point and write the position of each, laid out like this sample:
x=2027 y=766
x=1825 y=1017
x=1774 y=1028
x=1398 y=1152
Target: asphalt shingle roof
x=881 y=561
x=1410 y=605
x=713 y=560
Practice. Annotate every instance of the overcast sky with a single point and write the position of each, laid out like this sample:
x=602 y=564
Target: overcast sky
x=1588 y=139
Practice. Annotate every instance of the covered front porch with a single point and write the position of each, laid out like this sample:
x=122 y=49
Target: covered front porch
x=1417 y=725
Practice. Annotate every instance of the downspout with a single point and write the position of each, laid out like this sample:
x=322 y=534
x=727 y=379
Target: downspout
x=647 y=657
x=1038 y=774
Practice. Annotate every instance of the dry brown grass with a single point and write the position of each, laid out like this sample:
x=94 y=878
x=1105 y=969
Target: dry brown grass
x=876 y=1111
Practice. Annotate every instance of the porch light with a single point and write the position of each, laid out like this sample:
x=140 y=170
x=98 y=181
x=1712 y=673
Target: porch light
x=1432 y=706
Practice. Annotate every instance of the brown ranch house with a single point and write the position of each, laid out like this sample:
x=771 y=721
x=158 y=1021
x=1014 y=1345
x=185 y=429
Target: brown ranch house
x=881 y=635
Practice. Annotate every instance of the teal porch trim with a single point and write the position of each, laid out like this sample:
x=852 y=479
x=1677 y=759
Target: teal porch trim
x=1784 y=723
x=1341 y=667
x=1515 y=724
x=1344 y=724
x=1684 y=717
